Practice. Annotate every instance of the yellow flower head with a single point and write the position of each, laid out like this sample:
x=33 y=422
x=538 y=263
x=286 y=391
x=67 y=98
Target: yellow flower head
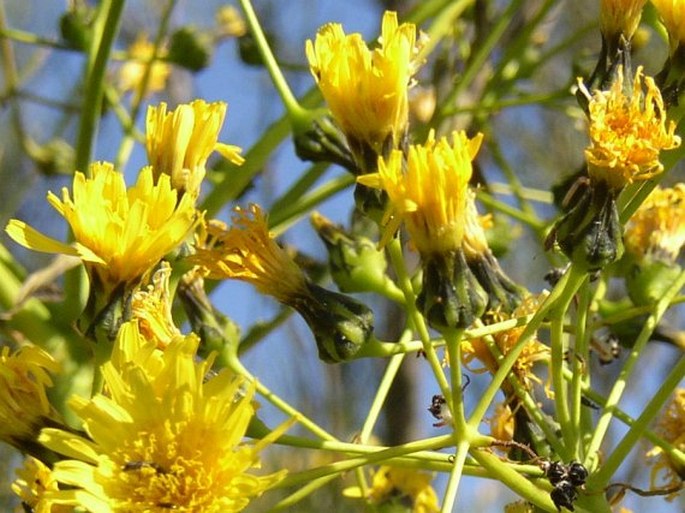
x=628 y=132
x=24 y=406
x=247 y=252
x=151 y=307
x=164 y=438
x=502 y=422
x=429 y=192
x=230 y=22
x=672 y=14
x=33 y=486
x=180 y=142
x=671 y=427
x=120 y=234
x=475 y=242
x=620 y=17
x=533 y=351
x=366 y=90
x=395 y=482
x=658 y=226
x=132 y=72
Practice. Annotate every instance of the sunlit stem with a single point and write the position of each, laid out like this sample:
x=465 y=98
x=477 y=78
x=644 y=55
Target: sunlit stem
x=455 y=476
x=296 y=112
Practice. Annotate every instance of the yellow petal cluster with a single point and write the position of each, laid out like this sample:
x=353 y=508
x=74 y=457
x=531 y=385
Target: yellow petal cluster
x=365 y=89
x=672 y=14
x=120 y=233
x=24 y=406
x=628 y=131
x=620 y=17
x=671 y=427
x=658 y=227
x=133 y=71
x=396 y=482
x=428 y=192
x=165 y=437
x=180 y=142
x=246 y=251
x=34 y=485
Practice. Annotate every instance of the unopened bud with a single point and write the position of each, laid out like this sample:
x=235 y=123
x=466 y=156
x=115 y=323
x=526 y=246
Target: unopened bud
x=318 y=139
x=190 y=49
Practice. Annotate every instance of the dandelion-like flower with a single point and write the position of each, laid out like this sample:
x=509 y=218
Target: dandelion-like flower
x=620 y=17
x=246 y=251
x=132 y=72
x=405 y=486
x=429 y=194
x=628 y=130
x=672 y=14
x=120 y=234
x=151 y=307
x=34 y=485
x=180 y=142
x=657 y=228
x=366 y=90
x=671 y=427
x=24 y=406
x=165 y=437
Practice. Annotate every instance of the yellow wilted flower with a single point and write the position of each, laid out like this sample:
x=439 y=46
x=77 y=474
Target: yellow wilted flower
x=671 y=427
x=24 y=405
x=164 y=438
x=34 y=486
x=120 y=233
x=627 y=131
x=366 y=90
x=672 y=14
x=429 y=194
x=132 y=71
x=180 y=142
x=658 y=226
x=620 y=17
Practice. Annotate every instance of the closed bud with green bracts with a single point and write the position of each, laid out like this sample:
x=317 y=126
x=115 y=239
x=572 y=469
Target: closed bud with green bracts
x=76 y=25
x=503 y=293
x=190 y=49
x=371 y=202
x=356 y=264
x=590 y=234
x=318 y=139
x=340 y=324
x=648 y=280
x=451 y=296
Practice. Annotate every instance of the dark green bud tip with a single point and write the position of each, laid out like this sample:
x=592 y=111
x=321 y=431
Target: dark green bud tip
x=340 y=324
x=355 y=263
x=371 y=202
x=190 y=49
x=318 y=139
x=590 y=234
x=451 y=296
x=503 y=293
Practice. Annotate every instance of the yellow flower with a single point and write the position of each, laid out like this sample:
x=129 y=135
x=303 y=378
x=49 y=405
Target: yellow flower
x=502 y=422
x=620 y=17
x=132 y=71
x=533 y=351
x=230 y=22
x=672 y=14
x=429 y=193
x=33 y=486
x=396 y=483
x=24 y=405
x=658 y=226
x=671 y=427
x=366 y=90
x=247 y=252
x=120 y=234
x=627 y=132
x=151 y=307
x=180 y=142
x=165 y=437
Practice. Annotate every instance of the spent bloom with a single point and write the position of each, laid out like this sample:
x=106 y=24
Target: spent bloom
x=672 y=14
x=429 y=193
x=34 y=485
x=120 y=233
x=657 y=228
x=671 y=427
x=620 y=17
x=165 y=437
x=628 y=130
x=180 y=142
x=366 y=90
x=24 y=406
x=132 y=72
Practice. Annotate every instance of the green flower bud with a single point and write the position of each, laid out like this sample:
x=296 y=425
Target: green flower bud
x=355 y=263
x=648 y=280
x=340 y=324
x=451 y=296
x=503 y=293
x=318 y=139
x=190 y=49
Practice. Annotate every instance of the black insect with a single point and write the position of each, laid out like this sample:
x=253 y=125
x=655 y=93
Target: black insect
x=566 y=479
x=564 y=495
x=577 y=474
x=440 y=410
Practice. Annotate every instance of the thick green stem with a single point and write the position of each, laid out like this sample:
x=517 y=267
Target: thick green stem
x=455 y=476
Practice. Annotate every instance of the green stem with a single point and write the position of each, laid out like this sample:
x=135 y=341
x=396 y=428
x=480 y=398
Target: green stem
x=455 y=477
x=620 y=384
x=580 y=359
x=453 y=343
x=303 y=492
x=106 y=27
